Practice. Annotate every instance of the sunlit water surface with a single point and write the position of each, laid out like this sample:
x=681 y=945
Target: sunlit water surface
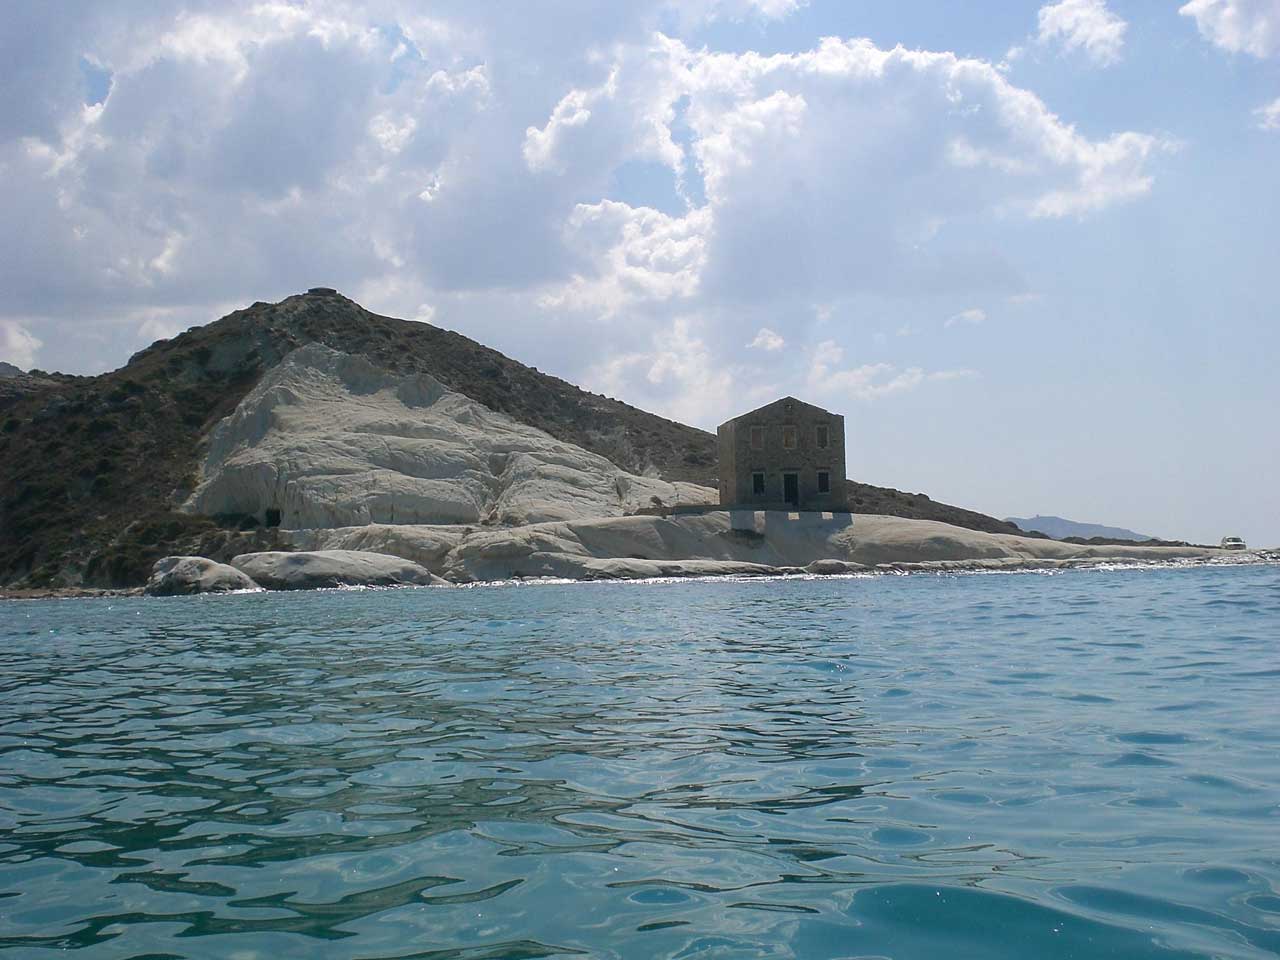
x=1029 y=766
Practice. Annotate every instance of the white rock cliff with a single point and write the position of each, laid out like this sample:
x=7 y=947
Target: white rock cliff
x=329 y=440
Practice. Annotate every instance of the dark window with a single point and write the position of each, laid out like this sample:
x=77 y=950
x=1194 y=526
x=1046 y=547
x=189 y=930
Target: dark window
x=823 y=436
x=757 y=484
x=791 y=488
x=789 y=438
x=757 y=438
x=824 y=481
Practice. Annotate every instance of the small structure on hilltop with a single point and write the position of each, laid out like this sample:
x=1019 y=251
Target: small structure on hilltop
x=786 y=455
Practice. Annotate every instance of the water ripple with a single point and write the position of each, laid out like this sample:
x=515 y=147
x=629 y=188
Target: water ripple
x=1066 y=766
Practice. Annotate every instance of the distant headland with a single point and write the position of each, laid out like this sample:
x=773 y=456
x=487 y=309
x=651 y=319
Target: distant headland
x=382 y=451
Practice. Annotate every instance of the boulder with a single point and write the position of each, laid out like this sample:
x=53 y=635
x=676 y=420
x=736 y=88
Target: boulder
x=592 y=568
x=705 y=544
x=829 y=568
x=173 y=576
x=316 y=569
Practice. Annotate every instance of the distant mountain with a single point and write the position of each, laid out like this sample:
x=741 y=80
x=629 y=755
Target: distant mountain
x=9 y=370
x=1059 y=528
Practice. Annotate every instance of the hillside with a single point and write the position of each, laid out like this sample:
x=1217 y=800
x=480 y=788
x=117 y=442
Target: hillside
x=92 y=469
x=326 y=439
x=1059 y=528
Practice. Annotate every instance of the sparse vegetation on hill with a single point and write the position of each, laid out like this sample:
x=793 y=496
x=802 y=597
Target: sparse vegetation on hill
x=887 y=502
x=92 y=468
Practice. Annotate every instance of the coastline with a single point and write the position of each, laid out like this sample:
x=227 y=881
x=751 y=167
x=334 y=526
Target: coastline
x=693 y=571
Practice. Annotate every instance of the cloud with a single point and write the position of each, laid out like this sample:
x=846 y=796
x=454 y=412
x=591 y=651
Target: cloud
x=481 y=170
x=870 y=381
x=18 y=345
x=766 y=339
x=1238 y=26
x=677 y=375
x=1269 y=115
x=1242 y=26
x=1085 y=25
x=941 y=139
x=635 y=253
x=573 y=110
x=972 y=316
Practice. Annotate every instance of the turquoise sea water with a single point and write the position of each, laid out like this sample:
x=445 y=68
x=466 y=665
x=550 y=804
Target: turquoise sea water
x=1030 y=766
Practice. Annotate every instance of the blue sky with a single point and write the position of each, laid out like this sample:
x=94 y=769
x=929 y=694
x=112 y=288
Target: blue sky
x=1028 y=249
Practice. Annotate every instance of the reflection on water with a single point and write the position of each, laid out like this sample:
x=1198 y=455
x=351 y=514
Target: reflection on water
x=1008 y=766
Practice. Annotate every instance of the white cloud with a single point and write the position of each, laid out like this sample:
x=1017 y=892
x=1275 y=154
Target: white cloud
x=1269 y=115
x=677 y=375
x=540 y=145
x=392 y=133
x=766 y=339
x=18 y=345
x=869 y=381
x=1011 y=56
x=1238 y=26
x=636 y=253
x=942 y=138
x=1085 y=25
x=972 y=316
x=627 y=117
x=473 y=163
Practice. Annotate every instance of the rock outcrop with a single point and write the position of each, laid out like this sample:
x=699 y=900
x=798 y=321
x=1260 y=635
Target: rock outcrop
x=833 y=568
x=93 y=470
x=314 y=570
x=706 y=544
x=174 y=576
x=329 y=440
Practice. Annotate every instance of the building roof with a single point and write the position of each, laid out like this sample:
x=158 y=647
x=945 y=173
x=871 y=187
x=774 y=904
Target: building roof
x=769 y=408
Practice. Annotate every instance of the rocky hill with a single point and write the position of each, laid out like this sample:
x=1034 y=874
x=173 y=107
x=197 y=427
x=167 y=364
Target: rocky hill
x=94 y=469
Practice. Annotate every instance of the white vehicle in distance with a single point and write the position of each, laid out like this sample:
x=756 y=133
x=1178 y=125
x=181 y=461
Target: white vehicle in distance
x=1233 y=543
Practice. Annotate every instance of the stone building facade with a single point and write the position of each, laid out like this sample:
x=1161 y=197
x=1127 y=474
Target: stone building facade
x=786 y=455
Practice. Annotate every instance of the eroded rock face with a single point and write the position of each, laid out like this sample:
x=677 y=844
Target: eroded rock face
x=831 y=568
x=317 y=569
x=328 y=440
x=174 y=576
x=647 y=546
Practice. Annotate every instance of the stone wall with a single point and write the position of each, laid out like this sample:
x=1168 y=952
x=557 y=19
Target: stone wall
x=775 y=459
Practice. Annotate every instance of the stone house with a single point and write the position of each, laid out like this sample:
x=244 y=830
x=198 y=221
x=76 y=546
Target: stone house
x=786 y=455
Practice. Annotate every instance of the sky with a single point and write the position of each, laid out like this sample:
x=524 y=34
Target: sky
x=1028 y=250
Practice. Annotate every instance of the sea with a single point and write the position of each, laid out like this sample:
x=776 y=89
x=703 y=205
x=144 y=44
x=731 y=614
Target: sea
x=1071 y=765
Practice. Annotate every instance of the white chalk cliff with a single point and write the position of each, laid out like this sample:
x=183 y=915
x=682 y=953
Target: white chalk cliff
x=329 y=440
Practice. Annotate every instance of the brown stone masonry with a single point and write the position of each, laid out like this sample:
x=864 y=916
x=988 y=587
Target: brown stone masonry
x=786 y=455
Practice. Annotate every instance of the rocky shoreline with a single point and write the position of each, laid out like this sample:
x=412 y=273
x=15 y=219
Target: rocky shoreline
x=319 y=570
x=312 y=426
